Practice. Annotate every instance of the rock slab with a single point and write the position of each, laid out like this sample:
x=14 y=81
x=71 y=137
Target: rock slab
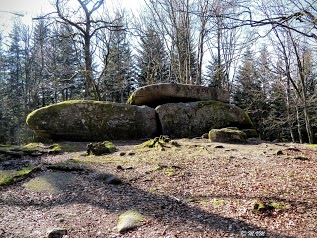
x=51 y=182
x=227 y=135
x=158 y=94
x=188 y=120
x=81 y=120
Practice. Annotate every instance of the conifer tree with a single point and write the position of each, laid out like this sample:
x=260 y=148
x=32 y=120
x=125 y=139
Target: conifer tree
x=249 y=93
x=151 y=59
x=119 y=77
x=215 y=75
x=64 y=66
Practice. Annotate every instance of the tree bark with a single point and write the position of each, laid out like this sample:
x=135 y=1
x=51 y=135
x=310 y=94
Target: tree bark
x=304 y=91
x=288 y=99
x=300 y=137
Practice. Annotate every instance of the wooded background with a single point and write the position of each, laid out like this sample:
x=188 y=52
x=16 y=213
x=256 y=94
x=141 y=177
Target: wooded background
x=263 y=53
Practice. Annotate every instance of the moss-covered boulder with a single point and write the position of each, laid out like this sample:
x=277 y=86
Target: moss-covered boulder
x=79 y=120
x=10 y=176
x=193 y=119
x=251 y=133
x=31 y=149
x=227 y=135
x=101 y=148
x=158 y=94
x=161 y=143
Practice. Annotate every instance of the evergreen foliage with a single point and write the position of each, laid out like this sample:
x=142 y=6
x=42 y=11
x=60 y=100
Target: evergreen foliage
x=119 y=77
x=175 y=41
x=215 y=74
x=151 y=59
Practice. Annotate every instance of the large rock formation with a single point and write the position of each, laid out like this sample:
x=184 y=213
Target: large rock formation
x=182 y=111
x=93 y=121
x=193 y=119
x=158 y=94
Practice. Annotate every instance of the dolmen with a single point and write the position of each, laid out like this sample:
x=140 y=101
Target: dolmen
x=176 y=110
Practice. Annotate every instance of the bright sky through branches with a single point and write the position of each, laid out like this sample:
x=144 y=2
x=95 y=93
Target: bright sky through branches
x=26 y=9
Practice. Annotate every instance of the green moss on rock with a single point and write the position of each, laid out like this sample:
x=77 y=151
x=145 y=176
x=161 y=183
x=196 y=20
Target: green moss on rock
x=227 y=135
x=265 y=207
x=101 y=148
x=9 y=176
x=179 y=120
x=129 y=220
x=160 y=142
x=50 y=182
x=251 y=133
x=79 y=120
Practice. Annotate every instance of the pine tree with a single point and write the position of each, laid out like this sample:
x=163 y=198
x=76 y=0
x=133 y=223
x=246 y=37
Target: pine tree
x=119 y=77
x=64 y=66
x=245 y=84
x=151 y=59
x=215 y=74
x=41 y=85
x=14 y=84
x=276 y=125
x=250 y=94
x=3 y=96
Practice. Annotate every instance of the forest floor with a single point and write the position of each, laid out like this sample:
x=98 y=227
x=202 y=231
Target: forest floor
x=194 y=188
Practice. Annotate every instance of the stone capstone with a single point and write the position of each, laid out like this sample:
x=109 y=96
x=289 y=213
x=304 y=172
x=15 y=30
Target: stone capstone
x=158 y=94
x=227 y=135
x=79 y=120
x=183 y=120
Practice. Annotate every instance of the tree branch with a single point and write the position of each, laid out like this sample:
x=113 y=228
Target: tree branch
x=67 y=20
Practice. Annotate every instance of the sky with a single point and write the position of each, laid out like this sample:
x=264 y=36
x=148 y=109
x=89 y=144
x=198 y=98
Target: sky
x=28 y=8
x=32 y=8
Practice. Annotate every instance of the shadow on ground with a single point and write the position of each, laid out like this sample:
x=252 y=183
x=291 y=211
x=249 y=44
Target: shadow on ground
x=125 y=196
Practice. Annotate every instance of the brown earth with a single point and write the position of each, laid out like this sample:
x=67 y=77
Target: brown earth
x=196 y=189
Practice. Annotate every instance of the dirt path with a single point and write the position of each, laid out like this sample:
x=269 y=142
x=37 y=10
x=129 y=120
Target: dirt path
x=197 y=189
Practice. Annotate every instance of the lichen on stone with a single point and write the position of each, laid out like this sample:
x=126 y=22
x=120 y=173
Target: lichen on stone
x=227 y=135
x=79 y=120
x=101 y=148
x=160 y=142
x=50 y=182
x=129 y=220
x=189 y=120
x=10 y=176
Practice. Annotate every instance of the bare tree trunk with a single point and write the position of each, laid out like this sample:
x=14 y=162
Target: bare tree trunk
x=298 y=126
x=288 y=99
x=87 y=27
x=200 y=57
x=219 y=79
x=90 y=86
x=308 y=124
x=201 y=39
x=301 y=93
x=304 y=91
